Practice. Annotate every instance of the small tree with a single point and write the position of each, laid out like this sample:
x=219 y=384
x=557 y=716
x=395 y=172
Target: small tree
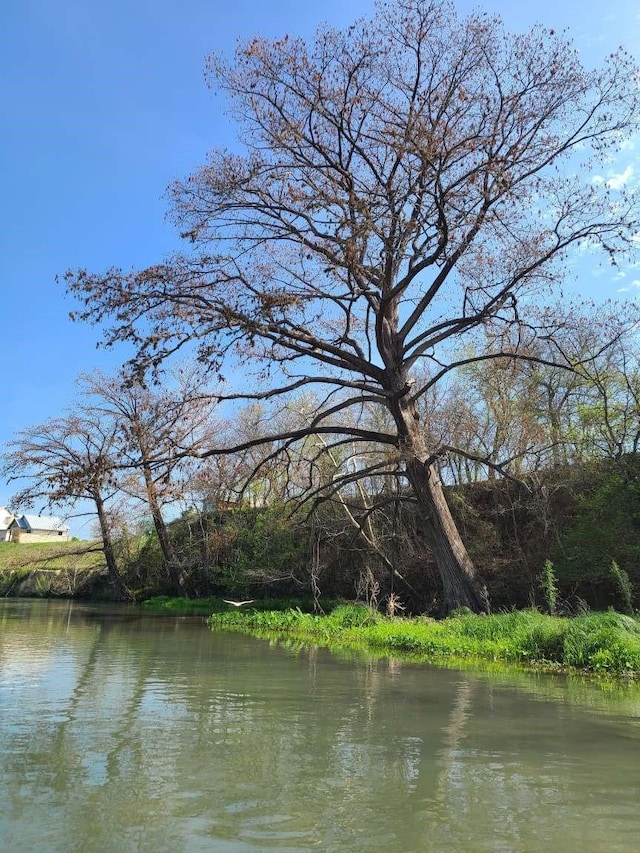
x=549 y=586
x=156 y=434
x=623 y=588
x=67 y=460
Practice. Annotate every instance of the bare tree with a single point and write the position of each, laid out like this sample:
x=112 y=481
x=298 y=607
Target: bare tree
x=68 y=460
x=604 y=413
x=405 y=183
x=156 y=432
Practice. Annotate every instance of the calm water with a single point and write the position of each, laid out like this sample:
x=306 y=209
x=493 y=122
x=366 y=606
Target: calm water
x=121 y=732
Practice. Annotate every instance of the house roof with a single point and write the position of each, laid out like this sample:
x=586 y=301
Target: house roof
x=6 y=518
x=41 y=522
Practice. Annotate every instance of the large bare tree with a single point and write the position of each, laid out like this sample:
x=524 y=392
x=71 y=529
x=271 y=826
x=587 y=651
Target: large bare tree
x=402 y=184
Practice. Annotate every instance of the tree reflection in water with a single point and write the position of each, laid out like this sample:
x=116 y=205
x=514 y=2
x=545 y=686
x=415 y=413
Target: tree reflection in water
x=124 y=732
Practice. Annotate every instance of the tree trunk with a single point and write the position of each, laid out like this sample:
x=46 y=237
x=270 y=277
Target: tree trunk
x=460 y=584
x=177 y=576
x=114 y=576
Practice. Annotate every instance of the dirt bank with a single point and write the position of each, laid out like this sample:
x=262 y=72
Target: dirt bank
x=88 y=582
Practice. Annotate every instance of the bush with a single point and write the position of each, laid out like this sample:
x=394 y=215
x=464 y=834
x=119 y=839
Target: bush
x=549 y=585
x=354 y=616
x=622 y=588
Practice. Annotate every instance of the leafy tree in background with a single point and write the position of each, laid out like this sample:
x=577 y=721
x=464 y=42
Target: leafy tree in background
x=405 y=183
x=569 y=398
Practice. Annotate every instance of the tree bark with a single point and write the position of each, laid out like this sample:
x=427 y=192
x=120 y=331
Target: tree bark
x=461 y=586
x=115 y=579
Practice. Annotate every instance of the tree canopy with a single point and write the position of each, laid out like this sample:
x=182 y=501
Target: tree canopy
x=402 y=185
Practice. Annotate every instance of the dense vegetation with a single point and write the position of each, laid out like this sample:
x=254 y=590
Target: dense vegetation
x=602 y=642
x=583 y=519
x=570 y=545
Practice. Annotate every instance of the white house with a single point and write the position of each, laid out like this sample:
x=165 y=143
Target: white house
x=6 y=518
x=38 y=528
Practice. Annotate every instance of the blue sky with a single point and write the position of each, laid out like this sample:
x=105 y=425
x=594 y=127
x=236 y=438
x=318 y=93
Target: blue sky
x=104 y=104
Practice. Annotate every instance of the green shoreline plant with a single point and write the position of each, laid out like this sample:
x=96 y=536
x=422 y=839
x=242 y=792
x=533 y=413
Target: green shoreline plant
x=606 y=643
x=549 y=586
x=216 y=604
x=623 y=587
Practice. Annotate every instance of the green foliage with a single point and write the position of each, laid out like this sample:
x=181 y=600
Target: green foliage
x=600 y=642
x=10 y=577
x=604 y=526
x=50 y=555
x=354 y=616
x=265 y=545
x=461 y=611
x=268 y=621
x=236 y=552
x=142 y=563
x=214 y=604
x=549 y=585
x=168 y=604
x=42 y=585
x=623 y=587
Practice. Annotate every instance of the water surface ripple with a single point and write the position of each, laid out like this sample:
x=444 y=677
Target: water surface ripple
x=127 y=732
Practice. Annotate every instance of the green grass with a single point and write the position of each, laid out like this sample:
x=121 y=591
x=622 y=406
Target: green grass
x=211 y=605
x=606 y=643
x=184 y=606
x=50 y=555
x=48 y=569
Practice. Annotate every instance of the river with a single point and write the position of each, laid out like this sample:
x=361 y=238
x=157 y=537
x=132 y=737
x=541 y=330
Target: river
x=121 y=731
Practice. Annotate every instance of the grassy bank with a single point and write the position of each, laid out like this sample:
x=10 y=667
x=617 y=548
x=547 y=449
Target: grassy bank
x=51 y=569
x=50 y=555
x=599 y=642
x=214 y=605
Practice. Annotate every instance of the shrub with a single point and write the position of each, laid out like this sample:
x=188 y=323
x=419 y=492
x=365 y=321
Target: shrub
x=354 y=616
x=549 y=585
x=623 y=588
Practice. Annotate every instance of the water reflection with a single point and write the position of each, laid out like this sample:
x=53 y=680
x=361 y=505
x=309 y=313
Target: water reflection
x=125 y=732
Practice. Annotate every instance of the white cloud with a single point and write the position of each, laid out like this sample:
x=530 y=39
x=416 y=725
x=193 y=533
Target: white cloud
x=634 y=284
x=615 y=180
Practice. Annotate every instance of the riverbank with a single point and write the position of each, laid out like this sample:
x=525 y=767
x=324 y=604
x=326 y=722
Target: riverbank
x=53 y=570
x=569 y=539
x=602 y=643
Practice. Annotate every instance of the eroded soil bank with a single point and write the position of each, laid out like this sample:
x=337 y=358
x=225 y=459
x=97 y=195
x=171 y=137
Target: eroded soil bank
x=85 y=583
